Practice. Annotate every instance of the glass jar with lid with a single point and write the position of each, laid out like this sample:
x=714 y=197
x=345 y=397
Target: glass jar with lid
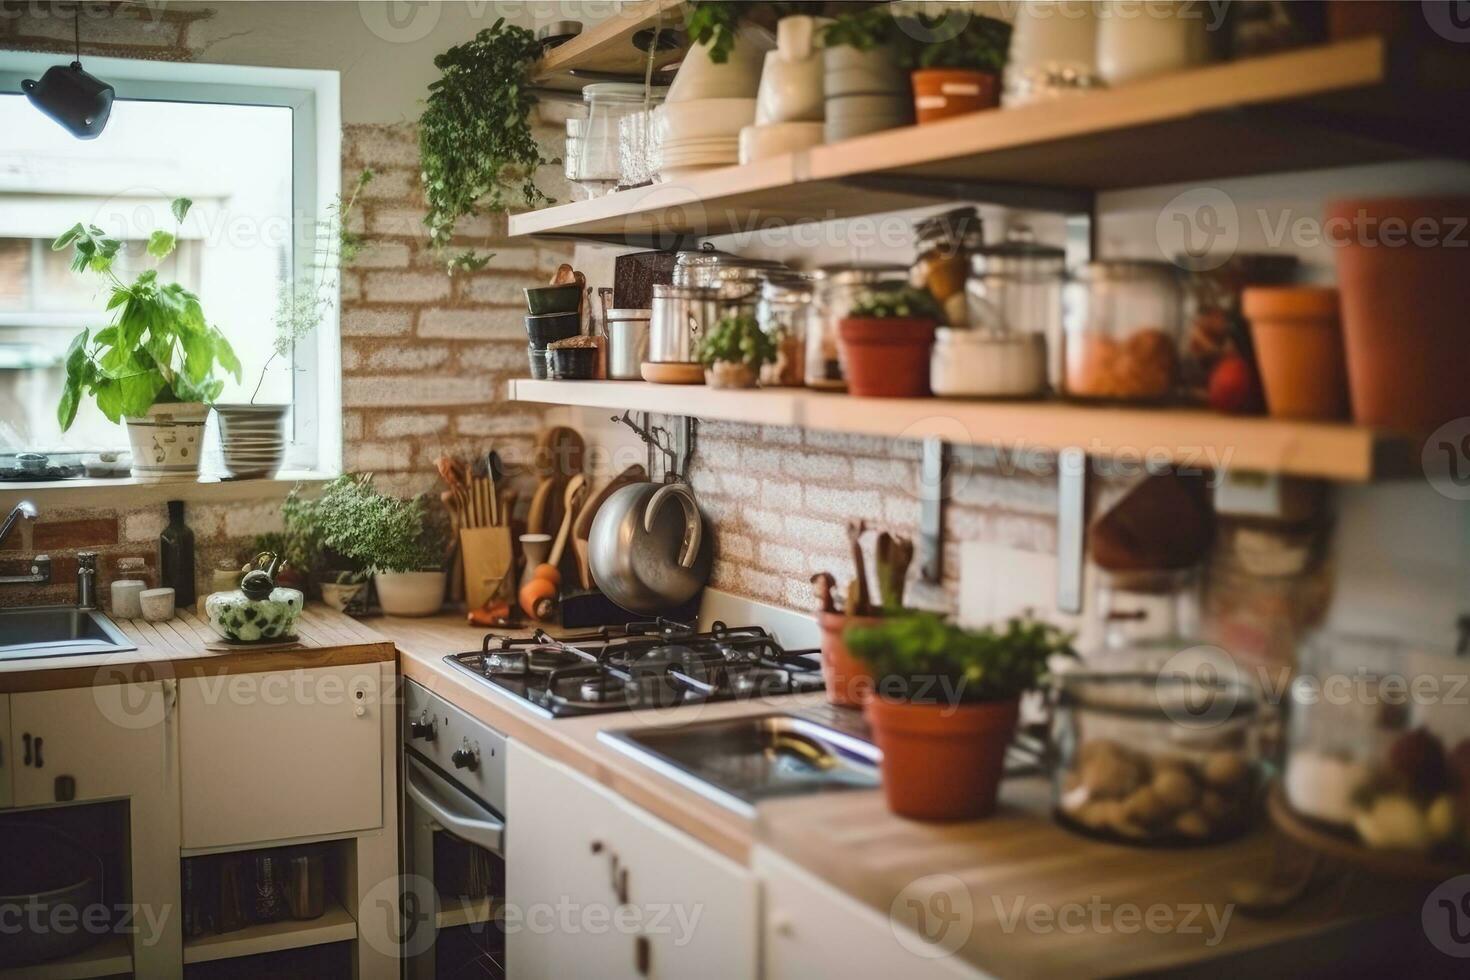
x=785 y=312
x=1121 y=332
x=1146 y=617
x=599 y=163
x=836 y=289
x=944 y=243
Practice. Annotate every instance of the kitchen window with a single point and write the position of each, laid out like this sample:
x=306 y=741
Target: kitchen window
x=258 y=152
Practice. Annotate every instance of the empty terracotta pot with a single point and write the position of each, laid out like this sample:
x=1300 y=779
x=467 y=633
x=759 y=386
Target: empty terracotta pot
x=941 y=761
x=1298 y=341
x=848 y=679
x=1403 y=274
x=886 y=358
x=943 y=92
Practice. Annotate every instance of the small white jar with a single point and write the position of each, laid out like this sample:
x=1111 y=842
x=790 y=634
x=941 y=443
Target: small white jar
x=158 y=604
x=1138 y=39
x=988 y=364
x=126 y=601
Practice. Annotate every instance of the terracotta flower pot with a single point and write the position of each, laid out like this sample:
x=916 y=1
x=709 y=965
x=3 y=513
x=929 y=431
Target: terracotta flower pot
x=848 y=680
x=1403 y=272
x=941 y=761
x=886 y=358
x=1298 y=341
x=943 y=92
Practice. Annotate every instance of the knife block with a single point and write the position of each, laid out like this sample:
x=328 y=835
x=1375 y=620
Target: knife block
x=487 y=556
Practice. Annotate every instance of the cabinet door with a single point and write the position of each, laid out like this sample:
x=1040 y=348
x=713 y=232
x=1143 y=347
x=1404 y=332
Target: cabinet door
x=696 y=910
x=4 y=750
x=559 y=887
x=811 y=929
x=282 y=754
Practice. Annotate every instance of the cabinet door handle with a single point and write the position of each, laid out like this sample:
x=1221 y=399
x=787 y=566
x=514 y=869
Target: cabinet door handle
x=40 y=763
x=643 y=955
x=621 y=886
x=25 y=741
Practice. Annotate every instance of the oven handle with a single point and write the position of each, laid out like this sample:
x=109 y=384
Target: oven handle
x=454 y=811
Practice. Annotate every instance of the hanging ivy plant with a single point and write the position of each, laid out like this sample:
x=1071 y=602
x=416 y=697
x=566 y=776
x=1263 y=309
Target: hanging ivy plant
x=476 y=147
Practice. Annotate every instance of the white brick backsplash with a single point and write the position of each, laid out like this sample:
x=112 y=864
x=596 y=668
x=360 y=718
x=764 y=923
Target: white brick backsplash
x=384 y=255
x=398 y=426
x=351 y=358
x=405 y=287
x=499 y=423
x=378 y=457
x=351 y=425
x=500 y=290
x=410 y=392
x=384 y=146
x=396 y=222
x=815 y=535
x=475 y=324
x=376 y=323
x=414 y=357
x=144 y=525
x=816 y=466
x=247 y=520
x=778 y=495
x=782 y=558
x=504 y=356
x=843 y=503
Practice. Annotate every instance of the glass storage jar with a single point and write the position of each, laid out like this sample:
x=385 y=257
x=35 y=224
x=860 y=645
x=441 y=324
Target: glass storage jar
x=1146 y=617
x=836 y=289
x=599 y=163
x=1379 y=743
x=1121 y=332
x=1015 y=288
x=944 y=243
x=785 y=312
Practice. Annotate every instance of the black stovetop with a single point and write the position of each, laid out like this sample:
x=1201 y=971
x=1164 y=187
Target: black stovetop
x=642 y=665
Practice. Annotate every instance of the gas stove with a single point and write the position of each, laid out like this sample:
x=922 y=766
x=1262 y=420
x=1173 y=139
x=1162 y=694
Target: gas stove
x=659 y=664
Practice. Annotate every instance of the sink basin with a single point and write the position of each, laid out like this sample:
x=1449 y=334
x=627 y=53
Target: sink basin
x=57 y=631
x=740 y=761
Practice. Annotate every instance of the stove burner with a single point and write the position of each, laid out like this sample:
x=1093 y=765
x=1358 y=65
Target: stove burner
x=760 y=681
x=528 y=660
x=601 y=688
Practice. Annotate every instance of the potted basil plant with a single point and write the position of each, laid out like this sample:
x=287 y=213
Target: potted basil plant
x=389 y=535
x=944 y=706
x=154 y=366
x=958 y=72
x=734 y=352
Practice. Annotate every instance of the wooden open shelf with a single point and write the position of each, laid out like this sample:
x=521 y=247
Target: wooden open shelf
x=109 y=957
x=607 y=48
x=333 y=926
x=1351 y=102
x=1184 y=437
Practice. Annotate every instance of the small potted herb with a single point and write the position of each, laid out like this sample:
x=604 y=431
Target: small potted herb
x=945 y=704
x=734 y=352
x=390 y=536
x=885 y=341
x=959 y=70
x=154 y=365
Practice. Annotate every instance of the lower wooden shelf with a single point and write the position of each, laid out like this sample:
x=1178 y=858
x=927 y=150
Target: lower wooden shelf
x=108 y=958
x=334 y=925
x=1182 y=437
x=461 y=912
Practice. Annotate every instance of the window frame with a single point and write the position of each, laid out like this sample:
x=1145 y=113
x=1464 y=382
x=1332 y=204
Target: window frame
x=314 y=98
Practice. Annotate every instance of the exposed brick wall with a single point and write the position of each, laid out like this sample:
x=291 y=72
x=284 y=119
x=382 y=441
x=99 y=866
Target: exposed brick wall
x=158 y=31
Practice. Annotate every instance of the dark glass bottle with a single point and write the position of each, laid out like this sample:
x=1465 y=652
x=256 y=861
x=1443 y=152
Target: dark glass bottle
x=176 y=556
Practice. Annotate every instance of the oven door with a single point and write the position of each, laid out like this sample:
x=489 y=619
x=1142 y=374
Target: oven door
x=455 y=879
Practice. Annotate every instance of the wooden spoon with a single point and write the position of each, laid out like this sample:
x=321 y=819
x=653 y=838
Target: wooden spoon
x=576 y=493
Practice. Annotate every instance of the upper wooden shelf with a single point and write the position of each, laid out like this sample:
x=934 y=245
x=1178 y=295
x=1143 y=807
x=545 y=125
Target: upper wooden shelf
x=606 y=49
x=1183 y=437
x=1352 y=102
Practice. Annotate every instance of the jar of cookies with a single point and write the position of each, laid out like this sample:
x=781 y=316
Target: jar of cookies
x=1121 y=332
x=1154 y=758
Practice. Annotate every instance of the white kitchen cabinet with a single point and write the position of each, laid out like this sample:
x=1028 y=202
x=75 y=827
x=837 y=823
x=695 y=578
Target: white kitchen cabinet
x=113 y=741
x=278 y=755
x=5 y=792
x=811 y=929
x=602 y=888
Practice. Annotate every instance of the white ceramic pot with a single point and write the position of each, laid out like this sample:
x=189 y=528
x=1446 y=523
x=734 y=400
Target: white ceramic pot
x=410 y=593
x=737 y=78
x=848 y=71
x=166 y=442
x=857 y=115
x=1053 y=51
x=338 y=596
x=984 y=364
x=252 y=439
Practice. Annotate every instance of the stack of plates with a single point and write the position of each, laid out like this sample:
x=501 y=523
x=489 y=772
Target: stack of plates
x=699 y=135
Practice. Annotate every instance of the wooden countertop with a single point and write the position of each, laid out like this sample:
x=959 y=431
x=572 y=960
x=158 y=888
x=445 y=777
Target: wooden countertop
x=177 y=649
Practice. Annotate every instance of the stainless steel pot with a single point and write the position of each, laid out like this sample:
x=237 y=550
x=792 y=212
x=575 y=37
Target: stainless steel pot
x=718 y=270
x=627 y=343
x=645 y=556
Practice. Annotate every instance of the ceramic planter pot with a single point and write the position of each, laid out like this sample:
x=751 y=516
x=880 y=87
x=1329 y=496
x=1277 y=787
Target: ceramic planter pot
x=886 y=358
x=252 y=439
x=1298 y=341
x=410 y=593
x=166 y=442
x=338 y=595
x=241 y=619
x=1403 y=273
x=940 y=93
x=848 y=679
x=848 y=71
x=730 y=374
x=941 y=761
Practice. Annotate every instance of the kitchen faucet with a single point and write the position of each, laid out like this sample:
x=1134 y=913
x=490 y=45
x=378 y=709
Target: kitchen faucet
x=41 y=564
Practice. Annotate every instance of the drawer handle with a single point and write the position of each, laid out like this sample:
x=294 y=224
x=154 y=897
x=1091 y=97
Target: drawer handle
x=643 y=955
x=40 y=763
x=25 y=741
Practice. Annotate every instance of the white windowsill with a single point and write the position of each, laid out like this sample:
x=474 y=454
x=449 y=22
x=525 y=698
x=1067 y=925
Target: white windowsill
x=128 y=492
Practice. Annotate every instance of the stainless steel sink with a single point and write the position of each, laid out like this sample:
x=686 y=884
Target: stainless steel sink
x=741 y=761
x=57 y=631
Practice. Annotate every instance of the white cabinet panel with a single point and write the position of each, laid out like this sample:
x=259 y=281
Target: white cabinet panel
x=282 y=754
x=5 y=749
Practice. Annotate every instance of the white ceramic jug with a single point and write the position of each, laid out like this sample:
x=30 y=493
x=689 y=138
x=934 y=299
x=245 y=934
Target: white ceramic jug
x=791 y=79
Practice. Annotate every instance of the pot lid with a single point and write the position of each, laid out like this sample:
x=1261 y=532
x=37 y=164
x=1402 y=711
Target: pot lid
x=860 y=273
x=1020 y=252
x=709 y=256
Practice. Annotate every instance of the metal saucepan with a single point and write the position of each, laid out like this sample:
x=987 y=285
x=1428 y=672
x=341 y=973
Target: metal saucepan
x=645 y=556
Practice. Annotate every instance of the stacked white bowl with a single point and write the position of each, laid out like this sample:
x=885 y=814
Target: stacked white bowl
x=788 y=111
x=698 y=126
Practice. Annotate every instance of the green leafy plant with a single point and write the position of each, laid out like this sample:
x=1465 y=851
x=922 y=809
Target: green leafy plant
x=159 y=348
x=997 y=663
x=476 y=146
x=714 y=22
x=863 y=28
x=386 y=534
x=300 y=306
x=897 y=302
x=982 y=45
x=738 y=340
